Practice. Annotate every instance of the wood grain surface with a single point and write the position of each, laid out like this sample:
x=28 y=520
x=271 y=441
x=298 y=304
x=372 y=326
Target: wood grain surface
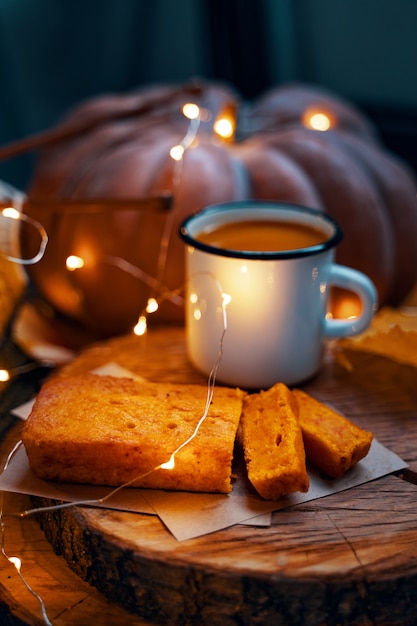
x=350 y=558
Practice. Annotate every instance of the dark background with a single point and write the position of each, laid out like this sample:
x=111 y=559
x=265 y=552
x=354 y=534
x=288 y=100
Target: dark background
x=56 y=53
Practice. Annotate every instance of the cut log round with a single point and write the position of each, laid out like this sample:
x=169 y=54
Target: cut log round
x=349 y=558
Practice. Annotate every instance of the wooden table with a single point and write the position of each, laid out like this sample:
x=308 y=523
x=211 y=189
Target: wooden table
x=350 y=558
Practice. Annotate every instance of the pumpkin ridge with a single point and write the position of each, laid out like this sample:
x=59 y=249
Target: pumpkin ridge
x=397 y=189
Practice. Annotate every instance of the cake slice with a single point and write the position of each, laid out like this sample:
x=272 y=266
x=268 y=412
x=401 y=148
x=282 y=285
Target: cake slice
x=104 y=430
x=332 y=443
x=273 y=444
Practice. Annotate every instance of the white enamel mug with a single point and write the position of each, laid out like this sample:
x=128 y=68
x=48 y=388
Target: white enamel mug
x=262 y=317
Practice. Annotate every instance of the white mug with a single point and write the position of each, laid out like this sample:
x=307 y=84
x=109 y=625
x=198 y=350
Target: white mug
x=261 y=316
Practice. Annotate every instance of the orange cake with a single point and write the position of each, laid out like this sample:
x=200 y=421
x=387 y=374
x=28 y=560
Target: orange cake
x=272 y=443
x=332 y=443
x=110 y=431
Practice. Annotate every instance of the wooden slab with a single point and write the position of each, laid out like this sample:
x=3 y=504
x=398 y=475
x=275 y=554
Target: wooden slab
x=345 y=559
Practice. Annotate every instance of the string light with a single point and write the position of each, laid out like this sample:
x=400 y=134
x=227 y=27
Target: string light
x=141 y=326
x=14 y=560
x=11 y=212
x=177 y=152
x=152 y=305
x=226 y=299
x=224 y=126
x=74 y=262
x=6 y=375
x=167 y=465
x=195 y=114
x=15 y=215
x=191 y=111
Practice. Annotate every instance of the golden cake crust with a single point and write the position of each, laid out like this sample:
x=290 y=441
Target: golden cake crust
x=272 y=443
x=332 y=443
x=107 y=430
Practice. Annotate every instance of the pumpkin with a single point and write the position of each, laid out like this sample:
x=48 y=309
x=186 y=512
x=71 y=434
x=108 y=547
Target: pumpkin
x=118 y=146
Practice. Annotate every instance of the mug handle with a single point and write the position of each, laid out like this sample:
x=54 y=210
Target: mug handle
x=357 y=282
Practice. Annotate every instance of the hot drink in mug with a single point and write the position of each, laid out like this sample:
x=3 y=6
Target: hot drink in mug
x=258 y=278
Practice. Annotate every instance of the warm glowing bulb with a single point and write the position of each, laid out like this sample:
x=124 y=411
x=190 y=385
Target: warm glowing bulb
x=224 y=128
x=152 y=305
x=4 y=376
x=320 y=121
x=169 y=464
x=226 y=299
x=317 y=120
x=141 y=326
x=16 y=562
x=74 y=262
x=177 y=152
x=190 y=110
x=193 y=298
x=11 y=212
